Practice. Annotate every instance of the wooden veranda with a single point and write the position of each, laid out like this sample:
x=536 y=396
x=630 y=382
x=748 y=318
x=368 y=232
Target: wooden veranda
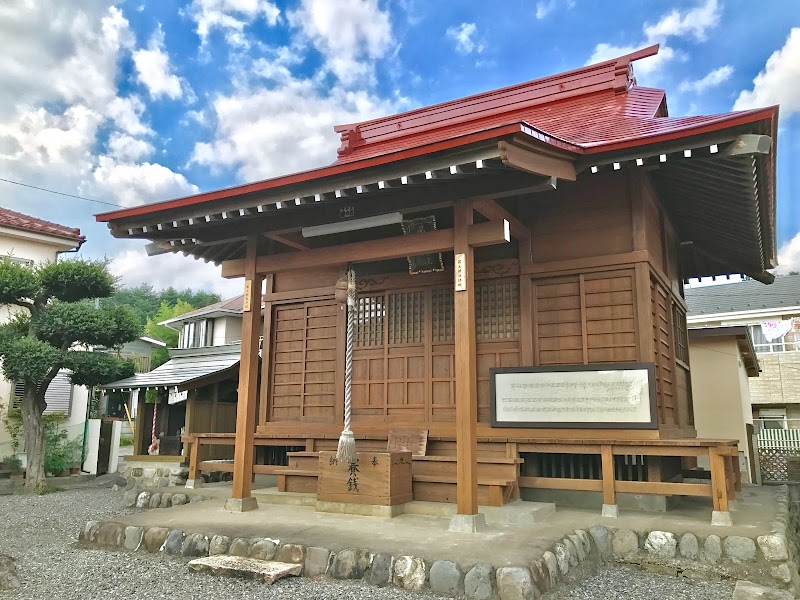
x=567 y=213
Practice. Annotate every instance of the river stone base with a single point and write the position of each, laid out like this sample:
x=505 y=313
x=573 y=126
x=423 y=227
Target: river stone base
x=267 y=571
x=241 y=504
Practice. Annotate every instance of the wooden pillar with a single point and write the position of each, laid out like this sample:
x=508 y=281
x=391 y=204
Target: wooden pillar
x=466 y=379
x=241 y=499
x=138 y=426
x=610 y=508
x=719 y=488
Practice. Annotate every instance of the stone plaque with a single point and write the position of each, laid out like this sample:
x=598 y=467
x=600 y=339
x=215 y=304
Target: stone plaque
x=408 y=440
x=580 y=396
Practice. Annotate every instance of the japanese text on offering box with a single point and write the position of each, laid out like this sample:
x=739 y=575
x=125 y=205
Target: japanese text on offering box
x=619 y=396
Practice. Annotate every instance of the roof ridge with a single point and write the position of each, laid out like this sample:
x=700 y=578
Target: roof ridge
x=613 y=74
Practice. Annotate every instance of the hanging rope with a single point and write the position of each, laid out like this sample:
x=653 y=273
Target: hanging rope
x=153 y=444
x=347 y=443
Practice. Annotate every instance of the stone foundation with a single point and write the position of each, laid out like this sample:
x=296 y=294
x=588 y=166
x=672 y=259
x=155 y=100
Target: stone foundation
x=154 y=474
x=768 y=560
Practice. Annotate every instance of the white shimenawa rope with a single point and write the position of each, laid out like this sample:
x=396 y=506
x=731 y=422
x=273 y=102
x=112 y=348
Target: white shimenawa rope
x=347 y=443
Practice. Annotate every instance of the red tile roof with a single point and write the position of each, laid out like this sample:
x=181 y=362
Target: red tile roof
x=593 y=109
x=16 y=220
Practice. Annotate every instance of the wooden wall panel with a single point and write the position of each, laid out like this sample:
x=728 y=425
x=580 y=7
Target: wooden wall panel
x=663 y=352
x=588 y=218
x=583 y=319
x=404 y=361
x=304 y=362
x=299 y=280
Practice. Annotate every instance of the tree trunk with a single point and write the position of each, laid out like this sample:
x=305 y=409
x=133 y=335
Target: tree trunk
x=33 y=406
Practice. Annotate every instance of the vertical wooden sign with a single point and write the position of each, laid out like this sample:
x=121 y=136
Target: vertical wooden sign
x=461 y=272
x=248 y=293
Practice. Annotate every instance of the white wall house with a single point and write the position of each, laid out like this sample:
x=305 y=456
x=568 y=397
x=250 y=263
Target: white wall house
x=32 y=241
x=771 y=314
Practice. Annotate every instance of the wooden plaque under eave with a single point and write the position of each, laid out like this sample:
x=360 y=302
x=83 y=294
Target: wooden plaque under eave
x=382 y=478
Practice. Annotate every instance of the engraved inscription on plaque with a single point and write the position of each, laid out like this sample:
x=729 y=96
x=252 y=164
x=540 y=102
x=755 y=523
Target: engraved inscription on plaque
x=583 y=396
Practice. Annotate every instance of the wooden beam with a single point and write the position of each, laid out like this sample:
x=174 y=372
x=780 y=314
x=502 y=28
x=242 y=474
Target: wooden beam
x=383 y=249
x=494 y=212
x=282 y=239
x=248 y=379
x=527 y=160
x=465 y=363
x=489 y=233
x=403 y=198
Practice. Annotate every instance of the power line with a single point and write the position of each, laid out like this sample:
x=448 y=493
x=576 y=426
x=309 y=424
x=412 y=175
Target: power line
x=41 y=189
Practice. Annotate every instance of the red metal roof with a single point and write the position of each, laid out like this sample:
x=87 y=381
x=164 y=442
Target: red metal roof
x=593 y=109
x=16 y=220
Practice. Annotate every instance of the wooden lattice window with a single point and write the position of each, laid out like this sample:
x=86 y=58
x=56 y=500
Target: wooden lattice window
x=407 y=317
x=370 y=316
x=442 y=318
x=681 y=338
x=497 y=310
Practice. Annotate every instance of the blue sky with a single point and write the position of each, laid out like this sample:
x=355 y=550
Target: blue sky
x=137 y=101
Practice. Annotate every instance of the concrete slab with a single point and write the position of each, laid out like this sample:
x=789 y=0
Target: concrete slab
x=427 y=537
x=747 y=590
x=267 y=571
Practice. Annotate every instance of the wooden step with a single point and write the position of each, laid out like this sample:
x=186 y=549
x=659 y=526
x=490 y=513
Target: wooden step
x=481 y=480
x=500 y=460
x=491 y=491
x=297 y=480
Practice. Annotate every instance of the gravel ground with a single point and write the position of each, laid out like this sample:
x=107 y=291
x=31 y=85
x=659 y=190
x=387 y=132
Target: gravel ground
x=627 y=583
x=40 y=532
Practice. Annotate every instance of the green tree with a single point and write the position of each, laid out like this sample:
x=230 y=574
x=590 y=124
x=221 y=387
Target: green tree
x=54 y=329
x=165 y=312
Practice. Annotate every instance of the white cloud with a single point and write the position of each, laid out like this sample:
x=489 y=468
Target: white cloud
x=135 y=267
x=40 y=138
x=778 y=82
x=713 y=79
x=789 y=256
x=545 y=8
x=154 y=70
x=350 y=34
x=127 y=115
x=231 y=17
x=268 y=132
x=126 y=148
x=57 y=50
x=694 y=23
x=130 y=184
x=463 y=37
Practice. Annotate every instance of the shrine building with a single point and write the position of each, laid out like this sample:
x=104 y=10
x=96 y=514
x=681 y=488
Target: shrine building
x=519 y=259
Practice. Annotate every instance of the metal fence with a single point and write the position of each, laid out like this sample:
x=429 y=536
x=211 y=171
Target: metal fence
x=776 y=441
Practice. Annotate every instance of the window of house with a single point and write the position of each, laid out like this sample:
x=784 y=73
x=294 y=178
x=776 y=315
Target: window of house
x=772 y=418
x=20 y=261
x=789 y=342
x=58 y=396
x=197 y=334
